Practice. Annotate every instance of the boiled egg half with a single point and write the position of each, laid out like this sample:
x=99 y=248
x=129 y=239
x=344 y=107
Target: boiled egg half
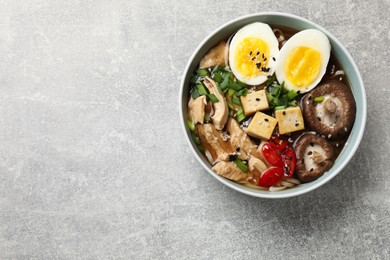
x=253 y=53
x=303 y=60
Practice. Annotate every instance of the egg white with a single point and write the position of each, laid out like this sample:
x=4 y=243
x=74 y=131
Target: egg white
x=260 y=31
x=310 y=38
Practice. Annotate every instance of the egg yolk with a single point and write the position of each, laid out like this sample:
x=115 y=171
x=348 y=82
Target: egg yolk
x=302 y=66
x=251 y=56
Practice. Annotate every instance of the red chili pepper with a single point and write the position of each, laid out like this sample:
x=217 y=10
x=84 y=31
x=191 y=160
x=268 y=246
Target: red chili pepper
x=271 y=176
x=271 y=155
x=279 y=143
x=290 y=161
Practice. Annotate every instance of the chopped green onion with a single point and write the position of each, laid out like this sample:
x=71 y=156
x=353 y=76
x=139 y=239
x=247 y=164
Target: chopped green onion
x=282 y=101
x=225 y=82
x=202 y=90
x=194 y=79
x=237 y=85
x=191 y=125
x=201 y=148
x=319 y=99
x=242 y=92
x=280 y=107
x=207 y=118
x=202 y=72
x=231 y=106
x=231 y=92
x=240 y=118
x=236 y=100
x=213 y=98
x=275 y=90
x=218 y=77
x=241 y=165
x=240 y=112
x=291 y=95
x=195 y=138
x=270 y=80
x=195 y=93
x=293 y=103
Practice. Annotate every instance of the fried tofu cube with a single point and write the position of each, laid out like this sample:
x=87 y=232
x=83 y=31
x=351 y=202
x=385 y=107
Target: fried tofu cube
x=262 y=126
x=255 y=101
x=289 y=120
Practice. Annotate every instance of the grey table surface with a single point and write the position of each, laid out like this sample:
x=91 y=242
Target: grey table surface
x=93 y=161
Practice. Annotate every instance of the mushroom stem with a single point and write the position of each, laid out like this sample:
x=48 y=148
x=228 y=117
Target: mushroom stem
x=317 y=157
x=330 y=106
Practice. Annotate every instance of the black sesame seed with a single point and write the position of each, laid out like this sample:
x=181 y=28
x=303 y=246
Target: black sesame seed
x=296 y=124
x=311 y=144
x=311 y=169
x=262 y=55
x=238 y=149
x=266 y=119
x=257 y=53
x=319 y=118
x=310 y=153
x=257 y=99
x=265 y=59
x=284 y=113
x=250 y=53
x=232 y=157
x=258 y=65
x=274 y=58
x=253 y=58
x=309 y=98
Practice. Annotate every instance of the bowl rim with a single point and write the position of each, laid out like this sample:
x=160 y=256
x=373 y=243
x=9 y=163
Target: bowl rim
x=319 y=182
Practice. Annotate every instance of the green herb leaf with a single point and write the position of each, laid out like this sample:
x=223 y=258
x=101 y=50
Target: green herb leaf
x=213 y=98
x=202 y=90
x=202 y=72
x=236 y=100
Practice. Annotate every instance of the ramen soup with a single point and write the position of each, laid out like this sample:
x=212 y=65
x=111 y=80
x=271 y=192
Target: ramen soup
x=270 y=107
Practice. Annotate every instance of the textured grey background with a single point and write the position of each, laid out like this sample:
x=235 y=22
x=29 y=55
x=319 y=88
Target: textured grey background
x=93 y=162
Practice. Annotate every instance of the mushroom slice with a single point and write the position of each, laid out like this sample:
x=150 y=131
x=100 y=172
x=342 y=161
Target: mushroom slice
x=212 y=141
x=314 y=157
x=334 y=116
x=230 y=171
x=240 y=140
x=196 y=109
x=220 y=108
x=216 y=56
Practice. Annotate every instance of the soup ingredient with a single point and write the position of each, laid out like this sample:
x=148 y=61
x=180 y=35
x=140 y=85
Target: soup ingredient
x=335 y=115
x=253 y=52
x=271 y=176
x=262 y=126
x=289 y=160
x=212 y=141
x=256 y=163
x=240 y=141
x=196 y=109
x=220 y=108
x=278 y=143
x=240 y=164
x=217 y=56
x=279 y=97
x=314 y=157
x=303 y=60
x=230 y=171
x=271 y=156
x=289 y=120
x=255 y=101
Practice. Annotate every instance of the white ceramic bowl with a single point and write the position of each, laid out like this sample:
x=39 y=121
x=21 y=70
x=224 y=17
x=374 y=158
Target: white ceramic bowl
x=347 y=63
